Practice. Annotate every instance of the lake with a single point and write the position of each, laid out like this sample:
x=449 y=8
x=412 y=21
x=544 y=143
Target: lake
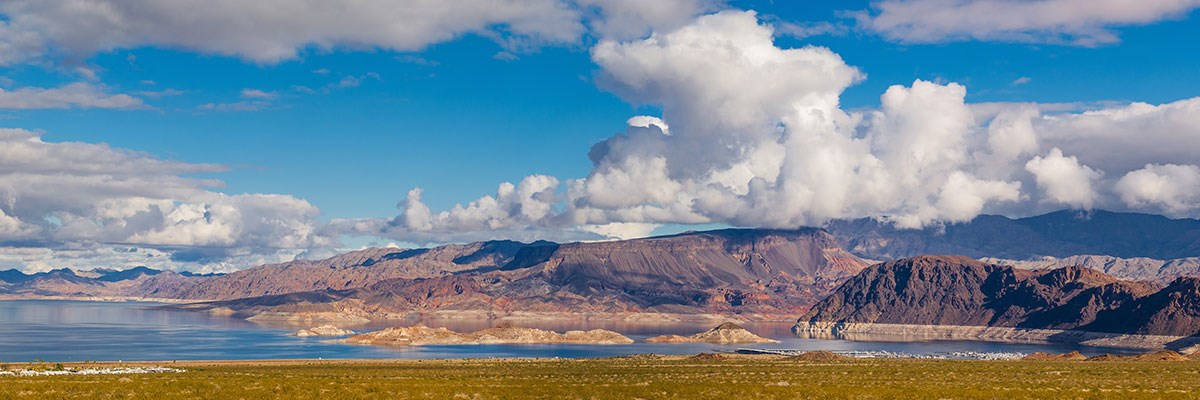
x=53 y=330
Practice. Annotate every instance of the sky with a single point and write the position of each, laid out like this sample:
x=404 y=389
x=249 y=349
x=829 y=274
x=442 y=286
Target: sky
x=218 y=135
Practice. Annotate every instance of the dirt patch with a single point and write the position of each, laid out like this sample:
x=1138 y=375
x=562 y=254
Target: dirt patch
x=1163 y=355
x=707 y=357
x=818 y=355
x=1072 y=356
x=1104 y=357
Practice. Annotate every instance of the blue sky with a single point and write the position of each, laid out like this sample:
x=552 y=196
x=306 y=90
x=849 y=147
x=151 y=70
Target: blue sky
x=352 y=125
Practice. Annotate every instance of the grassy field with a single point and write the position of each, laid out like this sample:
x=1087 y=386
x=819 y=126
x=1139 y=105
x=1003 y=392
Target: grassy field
x=629 y=378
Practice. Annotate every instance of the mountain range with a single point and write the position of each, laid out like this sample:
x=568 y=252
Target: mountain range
x=1058 y=234
x=918 y=295
x=750 y=273
x=760 y=274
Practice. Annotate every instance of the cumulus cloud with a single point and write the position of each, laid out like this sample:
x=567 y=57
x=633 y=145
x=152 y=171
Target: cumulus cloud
x=752 y=134
x=1077 y=22
x=73 y=95
x=1171 y=188
x=1126 y=137
x=782 y=154
x=83 y=257
x=1063 y=179
x=523 y=211
x=259 y=32
x=84 y=196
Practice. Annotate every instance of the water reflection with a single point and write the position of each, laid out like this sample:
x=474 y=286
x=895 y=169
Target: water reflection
x=81 y=331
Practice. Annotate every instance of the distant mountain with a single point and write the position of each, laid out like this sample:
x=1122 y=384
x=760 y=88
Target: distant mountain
x=12 y=276
x=137 y=282
x=734 y=271
x=1058 y=234
x=122 y=275
x=959 y=291
x=209 y=274
x=358 y=269
x=1136 y=269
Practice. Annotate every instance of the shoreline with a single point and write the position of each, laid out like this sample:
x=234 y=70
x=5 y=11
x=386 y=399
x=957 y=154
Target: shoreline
x=348 y=317
x=355 y=316
x=910 y=332
x=101 y=299
x=859 y=332
x=732 y=356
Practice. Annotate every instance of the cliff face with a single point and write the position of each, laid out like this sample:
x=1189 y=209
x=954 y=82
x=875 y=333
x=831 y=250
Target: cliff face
x=1174 y=310
x=722 y=269
x=959 y=291
x=766 y=272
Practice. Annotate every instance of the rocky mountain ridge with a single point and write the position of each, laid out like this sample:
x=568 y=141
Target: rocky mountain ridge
x=956 y=291
x=761 y=273
x=137 y=282
x=735 y=271
x=1136 y=269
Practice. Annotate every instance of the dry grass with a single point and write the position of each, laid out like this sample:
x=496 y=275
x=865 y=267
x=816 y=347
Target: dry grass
x=630 y=378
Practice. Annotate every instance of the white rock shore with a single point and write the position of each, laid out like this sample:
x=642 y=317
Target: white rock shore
x=91 y=371
x=323 y=330
x=899 y=332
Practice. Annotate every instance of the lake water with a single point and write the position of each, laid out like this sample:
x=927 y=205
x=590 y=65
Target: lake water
x=100 y=331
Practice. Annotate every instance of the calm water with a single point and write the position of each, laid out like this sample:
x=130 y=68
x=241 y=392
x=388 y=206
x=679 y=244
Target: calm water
x=82 y=331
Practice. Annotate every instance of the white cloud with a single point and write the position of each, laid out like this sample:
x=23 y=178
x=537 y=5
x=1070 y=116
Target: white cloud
x=622 y=230
x=1078 y=22
x=751 y=134
x=243 y=105
x=1022 y=80
x=1172 y=188
x=646 y=121
x=505 y=56
x=271 y=31
x=809 y=29
x=634 y=19
x=525 y=211
x=1064 y=179
x=155 y=94
x=251 y=100
x=258 y=94
x=80 y=195
x=73 y=95
x=89 y=257
x=757 y=137
x=1126 y=137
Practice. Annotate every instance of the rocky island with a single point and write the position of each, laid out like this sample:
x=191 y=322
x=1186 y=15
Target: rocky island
x=726 y=333
x=504 y=333
x=323 y=330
